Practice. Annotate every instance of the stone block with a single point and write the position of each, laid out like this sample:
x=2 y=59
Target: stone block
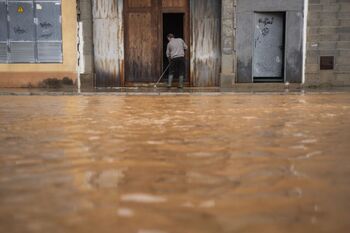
x=227 y=66
x=312 y=68
x=343 y=68
x=227 y=80
x=343 y=45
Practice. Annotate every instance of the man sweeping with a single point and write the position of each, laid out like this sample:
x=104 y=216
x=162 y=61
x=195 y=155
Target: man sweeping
x=176 y=54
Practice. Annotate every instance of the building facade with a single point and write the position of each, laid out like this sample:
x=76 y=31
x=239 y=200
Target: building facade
x=117 y=43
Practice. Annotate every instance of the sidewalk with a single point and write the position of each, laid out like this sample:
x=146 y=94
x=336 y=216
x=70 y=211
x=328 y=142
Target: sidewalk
x=162 y=91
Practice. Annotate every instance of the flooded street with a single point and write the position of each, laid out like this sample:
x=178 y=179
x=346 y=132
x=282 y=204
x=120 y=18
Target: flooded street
x=175 y=164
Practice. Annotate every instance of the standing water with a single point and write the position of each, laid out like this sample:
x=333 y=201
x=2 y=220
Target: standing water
x=175 y=164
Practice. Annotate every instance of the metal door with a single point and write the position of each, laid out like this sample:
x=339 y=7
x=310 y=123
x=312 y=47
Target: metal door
x=3 y=32
x=268 y=57
x=141 y=40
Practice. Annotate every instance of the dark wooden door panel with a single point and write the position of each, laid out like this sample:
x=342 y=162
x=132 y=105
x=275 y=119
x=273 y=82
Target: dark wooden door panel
x=174 y=3
x=139 y=3
x=140 y=55
x=141 y=40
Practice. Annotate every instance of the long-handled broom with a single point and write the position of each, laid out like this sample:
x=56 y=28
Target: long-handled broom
x=155 y=86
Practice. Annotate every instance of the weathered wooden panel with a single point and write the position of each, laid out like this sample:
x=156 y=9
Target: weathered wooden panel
x=102 y=9
x=173 y=3
x=108 y=42
x=141 y=61
x=141 y=41
x=206 y=42
x=139 y=3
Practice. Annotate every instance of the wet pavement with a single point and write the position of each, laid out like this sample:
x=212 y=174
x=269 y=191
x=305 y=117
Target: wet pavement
x=267 y=162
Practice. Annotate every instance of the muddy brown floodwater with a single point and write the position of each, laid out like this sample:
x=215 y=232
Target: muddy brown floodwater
x=175 y=164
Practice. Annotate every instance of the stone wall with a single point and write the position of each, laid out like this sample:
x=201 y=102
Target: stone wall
x=328 y=35
x=227 y=78
x=86 y=64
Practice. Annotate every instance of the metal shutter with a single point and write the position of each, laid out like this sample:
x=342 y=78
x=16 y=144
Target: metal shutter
x=49 y=21
x=22 y=52
x=49 y=31
x=3 y=32
x=21 y=25
x=49 y=52
x=3 y=52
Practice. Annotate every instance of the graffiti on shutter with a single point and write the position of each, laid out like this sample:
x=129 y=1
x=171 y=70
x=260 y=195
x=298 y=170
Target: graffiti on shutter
x=49 y=25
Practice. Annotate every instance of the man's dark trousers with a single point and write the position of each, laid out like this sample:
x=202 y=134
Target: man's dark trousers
x=177 y=68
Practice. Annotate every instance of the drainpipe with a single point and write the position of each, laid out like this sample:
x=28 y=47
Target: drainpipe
x=306 y=11
x=80 y=53
x=78 y=32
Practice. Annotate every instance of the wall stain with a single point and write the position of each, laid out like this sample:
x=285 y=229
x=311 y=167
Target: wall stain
x=46 y=36
x=19 y=30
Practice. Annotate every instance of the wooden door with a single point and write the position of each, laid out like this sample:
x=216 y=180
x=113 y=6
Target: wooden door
x=141 y=41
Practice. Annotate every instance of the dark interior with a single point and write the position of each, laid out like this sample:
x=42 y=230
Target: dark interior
x=172 y=23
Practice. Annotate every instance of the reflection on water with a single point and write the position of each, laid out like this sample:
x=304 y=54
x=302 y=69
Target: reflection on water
x=175 y=164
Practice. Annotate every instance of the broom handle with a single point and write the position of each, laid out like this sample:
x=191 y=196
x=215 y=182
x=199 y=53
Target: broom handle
x=163 y=74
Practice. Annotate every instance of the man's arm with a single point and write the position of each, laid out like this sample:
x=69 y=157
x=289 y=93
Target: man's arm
x=185 y=45
x=168 y=52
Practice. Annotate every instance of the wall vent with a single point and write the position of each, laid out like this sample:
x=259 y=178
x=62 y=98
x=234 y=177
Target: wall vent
x=327 y=62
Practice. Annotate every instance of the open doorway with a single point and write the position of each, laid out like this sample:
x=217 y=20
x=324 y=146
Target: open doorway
x=172 y=23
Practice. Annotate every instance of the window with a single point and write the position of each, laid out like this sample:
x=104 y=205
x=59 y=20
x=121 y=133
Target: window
x=30 y=31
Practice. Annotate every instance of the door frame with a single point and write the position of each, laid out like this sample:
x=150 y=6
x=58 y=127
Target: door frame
x=187 y=35
x=160 y=11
